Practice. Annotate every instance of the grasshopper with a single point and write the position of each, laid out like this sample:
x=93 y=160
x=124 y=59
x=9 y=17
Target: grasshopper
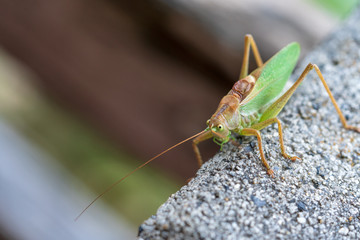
x=252 y=104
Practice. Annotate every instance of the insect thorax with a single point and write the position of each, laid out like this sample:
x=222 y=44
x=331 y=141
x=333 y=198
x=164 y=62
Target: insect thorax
x=228 y=110
x=247 y=121
x=243 y=87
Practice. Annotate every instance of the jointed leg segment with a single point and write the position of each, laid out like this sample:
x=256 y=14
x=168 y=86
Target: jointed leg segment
x=249 y=41
x=276 y=107
x=254 y=131
x=196 y=141
x=266 y=123
x=342 y=118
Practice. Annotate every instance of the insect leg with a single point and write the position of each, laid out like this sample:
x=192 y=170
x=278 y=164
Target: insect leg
x=266 y=123
x=249 y=41
x=276 y=107
x=342 y=118
x=254 y=132
x=206 y=135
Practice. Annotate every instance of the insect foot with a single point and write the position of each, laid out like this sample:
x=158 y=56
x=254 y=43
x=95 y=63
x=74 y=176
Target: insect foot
x=353 y=128
x=271 y=173
x=292 y=158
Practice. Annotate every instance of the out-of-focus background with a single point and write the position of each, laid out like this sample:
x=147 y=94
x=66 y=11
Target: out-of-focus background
x=90 y=89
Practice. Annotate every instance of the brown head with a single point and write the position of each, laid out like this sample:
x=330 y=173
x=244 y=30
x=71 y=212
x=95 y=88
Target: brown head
x=225 y=119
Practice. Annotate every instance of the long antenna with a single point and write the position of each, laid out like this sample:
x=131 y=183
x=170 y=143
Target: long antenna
x=133 y=171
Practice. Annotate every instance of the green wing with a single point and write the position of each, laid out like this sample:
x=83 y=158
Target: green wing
x=271 y=79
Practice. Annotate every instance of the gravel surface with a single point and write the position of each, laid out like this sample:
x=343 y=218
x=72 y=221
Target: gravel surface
x=232 y=197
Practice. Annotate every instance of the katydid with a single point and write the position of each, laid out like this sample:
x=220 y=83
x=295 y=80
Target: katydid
x=252 y=104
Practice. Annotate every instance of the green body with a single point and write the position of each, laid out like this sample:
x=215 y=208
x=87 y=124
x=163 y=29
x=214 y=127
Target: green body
x=262 y=102
x=272 y=77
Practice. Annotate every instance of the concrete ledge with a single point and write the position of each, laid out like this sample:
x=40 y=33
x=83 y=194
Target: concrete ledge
x=232 y=197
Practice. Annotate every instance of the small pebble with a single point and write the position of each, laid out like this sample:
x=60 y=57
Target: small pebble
x=344 y=231
x=301 y=220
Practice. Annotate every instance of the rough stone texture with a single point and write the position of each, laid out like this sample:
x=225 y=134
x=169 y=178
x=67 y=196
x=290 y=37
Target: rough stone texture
x=232 y=197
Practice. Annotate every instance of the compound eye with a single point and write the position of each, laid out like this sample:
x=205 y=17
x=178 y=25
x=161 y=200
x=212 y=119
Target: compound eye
x=220 y=127
x=208 y=122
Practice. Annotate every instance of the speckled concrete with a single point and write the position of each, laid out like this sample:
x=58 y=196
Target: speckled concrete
x=232 y=197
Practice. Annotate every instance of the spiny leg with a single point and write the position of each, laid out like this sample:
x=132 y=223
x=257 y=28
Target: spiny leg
x=254 y=132
x=276 y=107
x=249 y=41
x=196 y=141
x=266 y=123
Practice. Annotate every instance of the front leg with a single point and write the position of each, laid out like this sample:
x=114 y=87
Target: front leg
x=266 y=123
x=205 y=136
x=254 y=132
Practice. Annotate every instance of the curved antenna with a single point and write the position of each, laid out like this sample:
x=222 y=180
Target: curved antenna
x=133 y=171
